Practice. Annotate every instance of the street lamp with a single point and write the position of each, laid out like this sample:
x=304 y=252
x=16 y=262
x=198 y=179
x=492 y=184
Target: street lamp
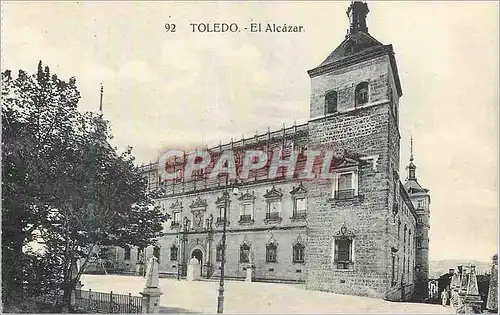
x=220 y=299
x=179 y=246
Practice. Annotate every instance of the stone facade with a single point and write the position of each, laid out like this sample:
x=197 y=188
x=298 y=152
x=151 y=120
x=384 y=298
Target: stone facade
x=354 y=234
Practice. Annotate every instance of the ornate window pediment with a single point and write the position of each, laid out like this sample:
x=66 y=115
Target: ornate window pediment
x=247 y=197
x=273 y=193
x=299 y=190
x=344 y=232
x=346 y=162
x=222 y=200
x=177 y=205
x=343 y=249
x=198 y=203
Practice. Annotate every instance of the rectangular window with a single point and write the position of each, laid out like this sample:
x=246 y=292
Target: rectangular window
x=271 y=253
x=345 y=181
x=273 y=210
x=420 y=204
x=331 y=102
x=176 y=217
x=345 y=185
x=246 y=211
x=220 y=218
x=274 y=206
x=300 y=208
x=343 y=253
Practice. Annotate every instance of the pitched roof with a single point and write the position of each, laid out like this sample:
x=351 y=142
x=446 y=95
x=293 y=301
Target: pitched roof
x=412 y=186
x=356 y=42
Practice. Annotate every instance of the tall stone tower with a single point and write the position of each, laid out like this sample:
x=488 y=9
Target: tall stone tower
x=421 y=200
x=351 y=219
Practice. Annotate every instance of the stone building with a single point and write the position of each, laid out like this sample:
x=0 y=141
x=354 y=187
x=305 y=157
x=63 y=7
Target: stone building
x=363 y=232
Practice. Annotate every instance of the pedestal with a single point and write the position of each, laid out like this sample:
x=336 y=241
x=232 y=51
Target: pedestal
x=151 y=300
x=193 y=270
x=472 y=304
x=492 y=301
x=250 y=273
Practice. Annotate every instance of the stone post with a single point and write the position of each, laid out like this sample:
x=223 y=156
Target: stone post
x=151 y=293
x=492 y=302
x=250 y=272
x=472 y=301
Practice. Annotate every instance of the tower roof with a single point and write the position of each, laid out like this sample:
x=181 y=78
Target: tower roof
x=358 y=45
x=355 y=42
x=411 y=185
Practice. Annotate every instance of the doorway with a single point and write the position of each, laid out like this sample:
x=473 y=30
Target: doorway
x=198 y=254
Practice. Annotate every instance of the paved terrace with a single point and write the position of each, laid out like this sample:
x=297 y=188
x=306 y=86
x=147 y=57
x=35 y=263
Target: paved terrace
x=256 y=297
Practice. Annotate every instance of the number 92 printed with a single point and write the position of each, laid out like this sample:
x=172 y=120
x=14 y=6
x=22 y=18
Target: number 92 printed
x=170 y=27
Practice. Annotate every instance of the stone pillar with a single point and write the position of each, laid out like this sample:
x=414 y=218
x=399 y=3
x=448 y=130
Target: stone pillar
x=472 y=301
x=492 y=302
x=151 y=293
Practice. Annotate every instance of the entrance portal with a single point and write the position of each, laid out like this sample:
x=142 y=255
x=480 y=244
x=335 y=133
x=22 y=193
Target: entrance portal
x=198 y=255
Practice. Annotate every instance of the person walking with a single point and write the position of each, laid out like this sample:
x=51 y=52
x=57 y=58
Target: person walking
x=444 y=297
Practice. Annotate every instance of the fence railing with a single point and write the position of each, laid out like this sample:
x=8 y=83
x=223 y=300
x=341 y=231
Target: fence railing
x=100 y=302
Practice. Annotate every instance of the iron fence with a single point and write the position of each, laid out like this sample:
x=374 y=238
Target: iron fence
x=100 y=302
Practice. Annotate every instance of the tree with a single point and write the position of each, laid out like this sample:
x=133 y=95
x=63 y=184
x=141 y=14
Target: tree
x=66 y=186
x=37 y=111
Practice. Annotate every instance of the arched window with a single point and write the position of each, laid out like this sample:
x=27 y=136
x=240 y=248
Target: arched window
x=271 y=250
x=331 y=102
x=244 y=253
x=361 y=93
x=173 y=253
x=218 y=253
x=298 y=253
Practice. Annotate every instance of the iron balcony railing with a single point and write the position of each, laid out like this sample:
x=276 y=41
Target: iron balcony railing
x=245 y=218
x=344 y=194
x=272 y=215
x=301 y=214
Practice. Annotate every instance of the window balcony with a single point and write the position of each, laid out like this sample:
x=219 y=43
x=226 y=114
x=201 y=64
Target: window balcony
x=245 y=219
x=220 y=221
x=174 y=225
x=344 y=194
x=299 y=215
x=272 y=217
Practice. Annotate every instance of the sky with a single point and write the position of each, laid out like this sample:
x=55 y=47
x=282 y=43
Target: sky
x=186 y=89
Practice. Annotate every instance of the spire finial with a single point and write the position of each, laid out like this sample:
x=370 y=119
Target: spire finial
x=100 y=101
x=411 y=148
x=411 y=166
x=357 y=12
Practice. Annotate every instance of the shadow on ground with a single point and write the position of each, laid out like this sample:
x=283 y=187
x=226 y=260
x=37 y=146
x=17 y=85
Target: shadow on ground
x=177 y=310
